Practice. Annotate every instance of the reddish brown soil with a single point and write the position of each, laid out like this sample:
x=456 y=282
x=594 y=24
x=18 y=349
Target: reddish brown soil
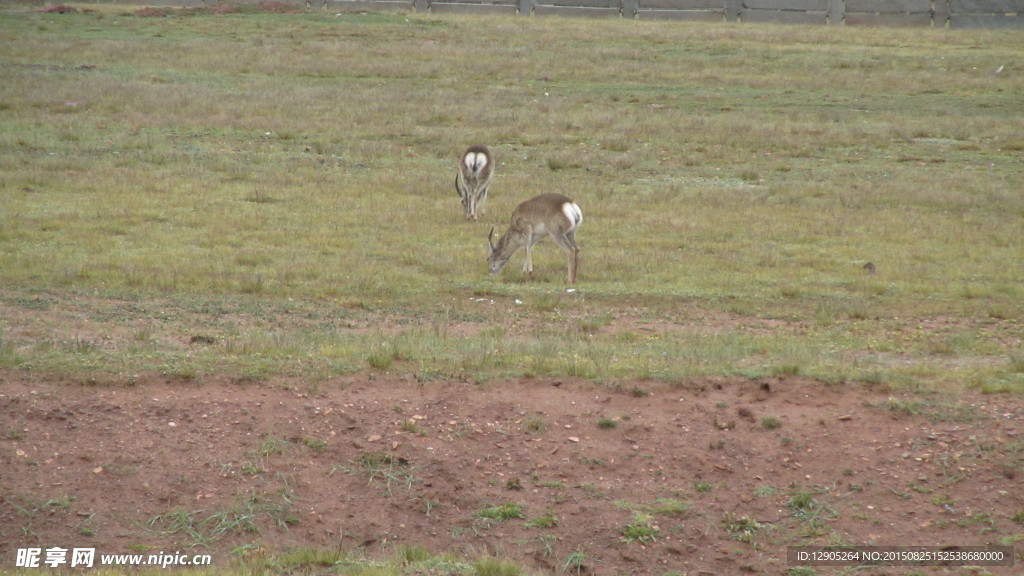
x=92 y=464
x=58 y=9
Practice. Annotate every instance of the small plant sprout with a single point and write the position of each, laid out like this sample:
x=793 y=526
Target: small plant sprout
x=271 y=446
x=317 y=445
x=668 y=506
x=534 y=424
x=641 y=528
x=575 y=563
x=548 y=520
x=412 y=426
x=743 y=528
x=808 y=508
x=381 y=466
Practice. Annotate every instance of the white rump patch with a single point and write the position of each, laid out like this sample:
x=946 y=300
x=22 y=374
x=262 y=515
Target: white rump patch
x=475 y=161
x=573 y=213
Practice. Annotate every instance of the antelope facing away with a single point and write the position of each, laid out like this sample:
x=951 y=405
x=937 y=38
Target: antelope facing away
x=476 y=169
x=549 y=214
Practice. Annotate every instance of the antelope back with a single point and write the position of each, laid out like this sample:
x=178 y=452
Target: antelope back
x=549 y=213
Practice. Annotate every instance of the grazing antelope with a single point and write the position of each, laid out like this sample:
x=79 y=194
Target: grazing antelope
x=476 y=169
x=549 y=214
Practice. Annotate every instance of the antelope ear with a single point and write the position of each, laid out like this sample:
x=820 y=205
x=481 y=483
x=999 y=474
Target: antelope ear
x=490 y=236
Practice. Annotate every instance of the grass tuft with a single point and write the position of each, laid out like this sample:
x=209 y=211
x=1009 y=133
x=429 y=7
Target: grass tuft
x=506 y=511
x=641 y=528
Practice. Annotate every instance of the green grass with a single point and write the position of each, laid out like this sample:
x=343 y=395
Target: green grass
x=496 y=567
x=575 y=563
x=660 y=506
x=506 y=511
x=640 y=528
x=203 y=528
x=270 y=195
x=381 y=466
x=742 y=528
x=547 y=520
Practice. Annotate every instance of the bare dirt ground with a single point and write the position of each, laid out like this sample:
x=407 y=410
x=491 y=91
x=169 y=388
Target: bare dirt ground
x=729 y=472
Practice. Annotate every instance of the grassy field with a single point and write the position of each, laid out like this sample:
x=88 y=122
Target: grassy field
x=297 y=170
x=270 y=196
